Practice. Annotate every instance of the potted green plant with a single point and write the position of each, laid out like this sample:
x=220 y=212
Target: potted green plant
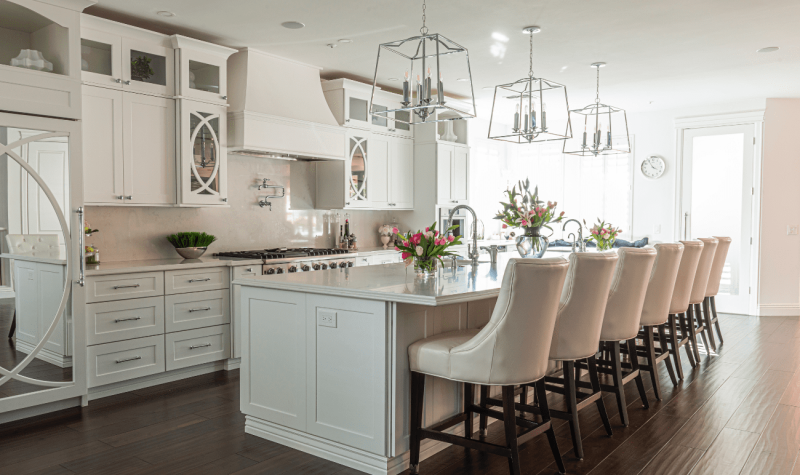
x=140 y=68
x=191 y=245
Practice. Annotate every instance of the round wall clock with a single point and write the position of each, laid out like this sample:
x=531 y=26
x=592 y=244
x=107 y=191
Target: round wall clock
x=653 y=167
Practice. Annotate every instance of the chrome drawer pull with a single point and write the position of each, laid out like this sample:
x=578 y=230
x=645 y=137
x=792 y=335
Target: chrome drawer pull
x=199 y=346
x=126 y=286
x=201 y=309
x=129 y=359
x=200 y=280
x=117 y=320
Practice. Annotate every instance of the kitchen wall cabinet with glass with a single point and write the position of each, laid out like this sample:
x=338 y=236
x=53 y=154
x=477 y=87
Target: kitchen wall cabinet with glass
x=131 y=115
x=349 y=103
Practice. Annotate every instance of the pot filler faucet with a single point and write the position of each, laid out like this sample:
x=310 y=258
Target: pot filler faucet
x=581 y=244
x=473 y=253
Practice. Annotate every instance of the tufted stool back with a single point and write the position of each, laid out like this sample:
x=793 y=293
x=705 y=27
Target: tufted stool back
x=655 y=310
x=32 y=243
x=628 y=289
x=718 y=265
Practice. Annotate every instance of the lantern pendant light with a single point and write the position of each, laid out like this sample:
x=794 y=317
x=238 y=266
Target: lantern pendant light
x=424 y=62
x=531 y=109
x=608 y=124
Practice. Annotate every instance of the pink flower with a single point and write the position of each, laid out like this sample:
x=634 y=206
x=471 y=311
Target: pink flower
x=416 y=239
x=405 y=243
x=562 y=214
x=420 y=250
x=451 y=238
x=395 y=230
x=506 y=226
x=436 y=233
x=396 y=248
x=541 y=213
x=427 y=229
x=405 y=255
x=594 y=231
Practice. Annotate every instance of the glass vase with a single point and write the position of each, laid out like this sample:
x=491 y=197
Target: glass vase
x=532 y=243
x=425 y=266
x=605 y=245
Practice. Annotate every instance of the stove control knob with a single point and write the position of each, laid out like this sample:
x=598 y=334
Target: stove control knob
x=293 y=269
x=324 y=266
x=317 y=266
x=305 y=268
x=349 y=263
x=333 y=265
x=270 y=271
x=280 y=270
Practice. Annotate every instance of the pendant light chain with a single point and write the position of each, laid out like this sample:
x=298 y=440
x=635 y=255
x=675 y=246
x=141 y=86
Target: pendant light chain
x=530 y=58
x=424 y=29
x=597 y=98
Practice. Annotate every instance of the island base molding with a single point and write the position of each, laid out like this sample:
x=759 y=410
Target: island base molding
x=358 y=459
x=44 y=354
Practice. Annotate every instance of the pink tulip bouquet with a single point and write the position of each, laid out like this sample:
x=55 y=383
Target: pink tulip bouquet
x=525 y=210
x=604 y=234
x=425 y=248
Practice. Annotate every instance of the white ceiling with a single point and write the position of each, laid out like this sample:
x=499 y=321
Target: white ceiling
x=660 y=54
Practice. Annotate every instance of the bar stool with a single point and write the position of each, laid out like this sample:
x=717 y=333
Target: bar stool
x=710 y=302
x=680 y=304
x=512 y=349
x=655 y=312
x=621 y=323
x=694 y=314
x=577 y=335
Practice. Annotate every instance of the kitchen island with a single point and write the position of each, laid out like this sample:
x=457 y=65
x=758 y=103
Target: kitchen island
x=324 y=356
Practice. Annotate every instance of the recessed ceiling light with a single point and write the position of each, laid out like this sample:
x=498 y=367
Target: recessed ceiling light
x=332 y=45
x=768 y=49
x=462 y=79
x=292 y=25
x=393 y=79
x=165 y=13
x=345 y=40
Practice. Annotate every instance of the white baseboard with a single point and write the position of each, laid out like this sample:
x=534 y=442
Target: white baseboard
x=44 y=354
x=154 y=380
x=233 y=363
x=779 y=310
x=7 y=293
x=39 y=410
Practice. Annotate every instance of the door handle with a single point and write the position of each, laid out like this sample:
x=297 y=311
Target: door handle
x=82 y=250
x=686 y=226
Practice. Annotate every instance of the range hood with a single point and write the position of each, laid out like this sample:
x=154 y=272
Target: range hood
x=278 y=110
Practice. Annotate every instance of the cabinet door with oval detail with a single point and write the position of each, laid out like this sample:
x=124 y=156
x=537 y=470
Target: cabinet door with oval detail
x=204 y=165
x=358 y=171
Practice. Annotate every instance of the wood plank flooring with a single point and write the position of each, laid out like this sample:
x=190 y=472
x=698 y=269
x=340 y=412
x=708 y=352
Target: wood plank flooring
x=737 y=413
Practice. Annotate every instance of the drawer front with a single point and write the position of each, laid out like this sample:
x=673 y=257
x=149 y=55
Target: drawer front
x=244 y=271
x=183 y=281
x=124 y=319
x=385 y=258
x=193 y=347
x=361 y=261
x=104 y=288
x=197 y=310
x=123 y=360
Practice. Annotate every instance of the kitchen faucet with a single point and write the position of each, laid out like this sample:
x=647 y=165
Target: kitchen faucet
x=581 y=243
x=473 y=253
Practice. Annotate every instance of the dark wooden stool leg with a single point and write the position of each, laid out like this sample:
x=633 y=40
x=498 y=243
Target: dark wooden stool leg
x=707 y=323
x=619 y=390
x=635 y=367
x=686 y=332
x=698 y=316
x=601 y=407
x=649 y=345
x=674 y=346
x=484 y=419
x=14 y=325
x=469 y=400
x=510 y=423
x=663 y=348
x=713 y=302
x=691 y=326
x=572 y=407
x=417 y=400
x=540 y=395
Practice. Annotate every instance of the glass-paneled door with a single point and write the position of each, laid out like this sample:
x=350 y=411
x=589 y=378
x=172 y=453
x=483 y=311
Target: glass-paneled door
x=717 y=189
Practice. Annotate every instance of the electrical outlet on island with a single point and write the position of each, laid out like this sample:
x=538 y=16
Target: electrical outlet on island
x=793 y=229
x=326 y=318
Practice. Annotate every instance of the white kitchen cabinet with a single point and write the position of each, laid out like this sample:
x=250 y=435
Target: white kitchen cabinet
x=203 y=169
x=129 y=148
x=401 y=174
x=201 y=70
x=452 y=174
x=350 y=100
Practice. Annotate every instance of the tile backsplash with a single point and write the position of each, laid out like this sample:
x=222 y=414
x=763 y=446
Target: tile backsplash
x=137 y=233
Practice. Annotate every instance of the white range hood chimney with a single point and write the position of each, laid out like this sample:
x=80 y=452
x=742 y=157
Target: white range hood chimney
x=277 y=110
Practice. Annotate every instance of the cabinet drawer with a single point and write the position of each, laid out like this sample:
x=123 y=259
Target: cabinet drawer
x=123 y=360
x=195 y=280
x=243 y=271
x=197 y=310
x=193 y=347
x=362 y=261
x=104 y=288
x=124 y=319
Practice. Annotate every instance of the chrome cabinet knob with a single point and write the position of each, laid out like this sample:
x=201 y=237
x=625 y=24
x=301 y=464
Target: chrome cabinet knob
x=118 y=80
x=120 y=197
x=129 y=197
x=225 y=98
x=127 y=83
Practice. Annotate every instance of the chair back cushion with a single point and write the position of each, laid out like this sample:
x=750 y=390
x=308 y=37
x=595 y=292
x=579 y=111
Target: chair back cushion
x=28 y=243
x=686 y=273
x=626 y=298
x=716 y=267
x=583 y=305
x=655 y=310
x=703 y=270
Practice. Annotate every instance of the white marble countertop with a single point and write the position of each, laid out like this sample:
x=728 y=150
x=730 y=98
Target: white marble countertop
x=154 y=265
x=395 y=282
x=45 y=257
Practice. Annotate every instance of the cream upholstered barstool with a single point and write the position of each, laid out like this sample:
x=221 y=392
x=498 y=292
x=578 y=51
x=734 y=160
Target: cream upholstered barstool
x=621 y=323
x=655 y=313
x=512 y=349
x=694 y=314
x=710 y=302
x=682 y=334
x=577 y=335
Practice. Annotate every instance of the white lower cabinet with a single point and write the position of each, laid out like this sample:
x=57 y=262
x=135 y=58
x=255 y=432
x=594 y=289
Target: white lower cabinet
x=124 y=320
x=122 y=360
x=193 y=347
x=197 y=310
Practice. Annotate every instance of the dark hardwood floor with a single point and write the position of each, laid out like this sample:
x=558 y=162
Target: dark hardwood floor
x=9 y=357
x=737 y=412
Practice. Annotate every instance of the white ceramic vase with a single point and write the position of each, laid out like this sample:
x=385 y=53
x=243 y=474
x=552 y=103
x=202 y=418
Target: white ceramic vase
x=385 y=240
x=449 y=135
x=32 y=59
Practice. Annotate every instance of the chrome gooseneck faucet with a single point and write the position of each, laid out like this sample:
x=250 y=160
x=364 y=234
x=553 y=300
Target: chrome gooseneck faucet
x=474 y=253
x=581 y=244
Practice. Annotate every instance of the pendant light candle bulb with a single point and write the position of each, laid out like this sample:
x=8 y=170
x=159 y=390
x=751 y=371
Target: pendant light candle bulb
x=419 y=90
x=405 y=89
x=440 y=89
x=428 y=86
x=516 y=119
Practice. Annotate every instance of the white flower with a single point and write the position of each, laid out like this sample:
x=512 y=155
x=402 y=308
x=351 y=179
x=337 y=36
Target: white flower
x=428 y=234
x=419 y=250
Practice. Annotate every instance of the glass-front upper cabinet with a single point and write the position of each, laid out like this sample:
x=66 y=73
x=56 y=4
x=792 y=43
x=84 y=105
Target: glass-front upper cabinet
x=202 y=69
x=204 y=165
x=357 y=171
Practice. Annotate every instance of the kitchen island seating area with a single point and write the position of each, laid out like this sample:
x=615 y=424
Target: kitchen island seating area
x=614 y=308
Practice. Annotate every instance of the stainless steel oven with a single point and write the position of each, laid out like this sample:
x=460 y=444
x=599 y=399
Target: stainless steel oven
x=459 y=218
